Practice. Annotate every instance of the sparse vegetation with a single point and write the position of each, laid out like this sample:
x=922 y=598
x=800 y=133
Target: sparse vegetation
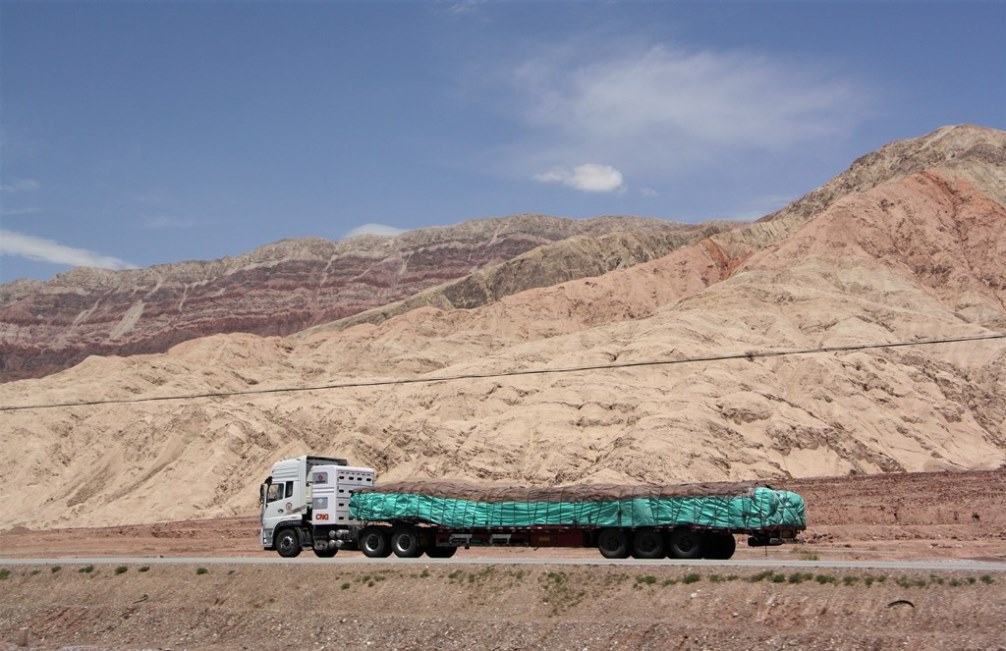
x=4 y=575
x=55 y=568
x=649 y=579
x=122 y=569
x=87 y=569
x=850 y=580
x=145 y=568
x=345 y=586
x=987 y=579
x=907 y=582
x=482 y=575
x=800 y=577
x=691 y=578
x=202 y=570
x=824 y=579
x=517 y=575
x=559 y=592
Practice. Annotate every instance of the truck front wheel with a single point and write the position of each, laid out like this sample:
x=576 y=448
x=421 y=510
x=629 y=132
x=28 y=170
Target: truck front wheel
x=613 y=543
x=374 y=542
x=287 y=543
x=405 y=543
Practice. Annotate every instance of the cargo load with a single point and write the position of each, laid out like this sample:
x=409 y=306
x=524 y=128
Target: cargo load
x=735 y=506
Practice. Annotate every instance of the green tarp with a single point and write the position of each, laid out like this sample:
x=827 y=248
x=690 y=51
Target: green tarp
x=756 y=507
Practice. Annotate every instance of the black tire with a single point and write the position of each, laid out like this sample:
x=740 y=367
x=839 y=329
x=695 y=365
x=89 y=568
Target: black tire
x=684 y=543
x=441 y=552
x=287 y=543
x=647 y=543
x=374 y=542
x=613 y=543
x=326 y=553
x=720 y=546
x=405 y=543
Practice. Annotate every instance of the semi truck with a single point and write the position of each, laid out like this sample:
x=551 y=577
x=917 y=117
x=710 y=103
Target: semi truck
x=326 y=505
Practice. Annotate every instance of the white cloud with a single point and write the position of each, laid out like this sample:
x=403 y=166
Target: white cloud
x=21 y=185
x=381 y=230
x=589 y=177
x=659 y=107
x=37 y=248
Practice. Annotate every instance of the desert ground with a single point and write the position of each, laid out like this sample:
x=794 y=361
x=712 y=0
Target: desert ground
x=140 y=604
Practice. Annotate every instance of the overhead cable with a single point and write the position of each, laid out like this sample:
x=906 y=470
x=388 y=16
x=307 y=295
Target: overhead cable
x=749 y=355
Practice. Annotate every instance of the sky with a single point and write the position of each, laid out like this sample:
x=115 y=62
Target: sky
x=141 y=133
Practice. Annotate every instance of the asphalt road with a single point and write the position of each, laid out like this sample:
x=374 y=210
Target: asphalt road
x=947 y=565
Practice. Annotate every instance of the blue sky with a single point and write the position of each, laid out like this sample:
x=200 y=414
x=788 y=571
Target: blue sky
x=142 y=133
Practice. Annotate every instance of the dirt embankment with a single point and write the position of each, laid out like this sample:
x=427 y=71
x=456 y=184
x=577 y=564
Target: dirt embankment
x=231 y=607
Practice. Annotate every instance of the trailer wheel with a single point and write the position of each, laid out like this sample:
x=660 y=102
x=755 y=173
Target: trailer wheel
x=613 y=543
x=405 y=543
x=325 y=553
x=720 y=546
x=647 y=543
x=287 y=543
x=441 y=552
x=374 y=542
x=685 y=543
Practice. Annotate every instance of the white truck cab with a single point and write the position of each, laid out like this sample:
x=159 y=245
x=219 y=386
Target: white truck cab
x=286 y=501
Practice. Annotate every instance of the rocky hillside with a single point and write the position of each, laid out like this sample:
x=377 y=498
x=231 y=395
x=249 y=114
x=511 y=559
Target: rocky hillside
x=276 y=290
x=914 y=256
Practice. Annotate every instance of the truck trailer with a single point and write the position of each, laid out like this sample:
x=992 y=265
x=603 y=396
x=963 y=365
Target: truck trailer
x=324 y=504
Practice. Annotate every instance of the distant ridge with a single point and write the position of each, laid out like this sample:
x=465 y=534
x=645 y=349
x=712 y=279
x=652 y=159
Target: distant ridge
x=278 y=289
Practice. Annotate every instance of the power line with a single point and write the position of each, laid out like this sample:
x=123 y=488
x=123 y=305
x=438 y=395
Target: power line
x=750 y=355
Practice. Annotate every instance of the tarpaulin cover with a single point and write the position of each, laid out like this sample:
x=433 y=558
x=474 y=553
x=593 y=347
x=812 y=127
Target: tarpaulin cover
x=729 y=506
